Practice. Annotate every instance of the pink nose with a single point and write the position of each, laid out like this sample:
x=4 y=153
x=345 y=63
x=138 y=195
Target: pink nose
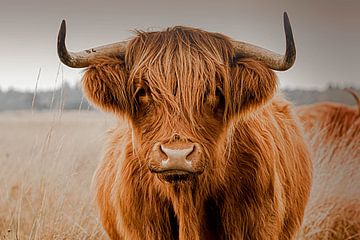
x=177 y=159
x=177 y=154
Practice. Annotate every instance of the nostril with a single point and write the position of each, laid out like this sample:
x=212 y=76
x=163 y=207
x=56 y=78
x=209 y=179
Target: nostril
x=192 y=151
x=163 y=150
x=162 y=153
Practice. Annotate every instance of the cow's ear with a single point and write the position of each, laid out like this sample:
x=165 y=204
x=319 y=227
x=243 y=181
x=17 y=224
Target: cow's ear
x=252 y=85
x=104 y=84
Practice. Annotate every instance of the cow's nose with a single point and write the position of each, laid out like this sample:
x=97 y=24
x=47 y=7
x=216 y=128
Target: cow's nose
x=178 y=158
x=174 y=159
x=177 y=154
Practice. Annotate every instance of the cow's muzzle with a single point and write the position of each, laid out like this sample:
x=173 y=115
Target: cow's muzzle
x=176 y=162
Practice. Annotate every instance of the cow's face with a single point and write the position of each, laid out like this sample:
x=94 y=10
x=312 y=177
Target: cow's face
x=178 y=107
x=181 y=89
x=174 y=136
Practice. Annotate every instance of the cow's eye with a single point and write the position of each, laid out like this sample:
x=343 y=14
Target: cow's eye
x=215 y=100
x=219 y=95
x=141 y=92
x=142 y=95
x=218 y=102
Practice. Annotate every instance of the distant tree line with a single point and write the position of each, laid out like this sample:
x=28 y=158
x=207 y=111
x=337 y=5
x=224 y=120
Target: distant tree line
x=65 y=97
x=72 y=98
x=331 y=94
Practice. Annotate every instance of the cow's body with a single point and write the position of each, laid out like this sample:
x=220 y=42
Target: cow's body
x=205 y=149
x=333 y=133
x=260 y=193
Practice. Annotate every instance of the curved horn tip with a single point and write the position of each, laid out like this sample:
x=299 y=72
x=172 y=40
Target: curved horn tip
x=290 y=54
x=63 y=26
x=62 y=32
x=61 y=47
x=287 y=26
x=286 y=16
x=288 y=29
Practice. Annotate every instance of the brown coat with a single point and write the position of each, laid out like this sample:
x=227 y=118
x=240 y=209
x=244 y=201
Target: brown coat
x=257 y=168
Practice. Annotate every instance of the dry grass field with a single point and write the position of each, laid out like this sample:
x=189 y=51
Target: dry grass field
x=47 y=160
x=46 y=165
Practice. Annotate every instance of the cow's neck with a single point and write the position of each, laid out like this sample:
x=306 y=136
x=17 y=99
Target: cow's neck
x=187 y=209
x=192 y=212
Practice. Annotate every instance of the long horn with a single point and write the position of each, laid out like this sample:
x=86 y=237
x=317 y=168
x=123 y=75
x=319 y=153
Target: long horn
x=86 y=57
x=272 y=60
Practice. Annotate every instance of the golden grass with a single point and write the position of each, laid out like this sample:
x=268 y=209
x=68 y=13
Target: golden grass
x=336 y=220
x=46 y=165
x=47 y=161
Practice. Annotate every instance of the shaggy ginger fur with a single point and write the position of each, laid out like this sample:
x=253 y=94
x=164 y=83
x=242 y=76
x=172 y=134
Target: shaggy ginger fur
x=333 y=131
x=183 y=80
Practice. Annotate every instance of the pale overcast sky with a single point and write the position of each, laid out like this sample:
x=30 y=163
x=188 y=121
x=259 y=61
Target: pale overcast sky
x=327 y=34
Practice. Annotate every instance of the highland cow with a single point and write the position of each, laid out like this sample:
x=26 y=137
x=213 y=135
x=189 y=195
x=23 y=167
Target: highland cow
x=205 y=148
x=333 y=132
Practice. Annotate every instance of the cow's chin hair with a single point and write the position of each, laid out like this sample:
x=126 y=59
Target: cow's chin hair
x=176 y=179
